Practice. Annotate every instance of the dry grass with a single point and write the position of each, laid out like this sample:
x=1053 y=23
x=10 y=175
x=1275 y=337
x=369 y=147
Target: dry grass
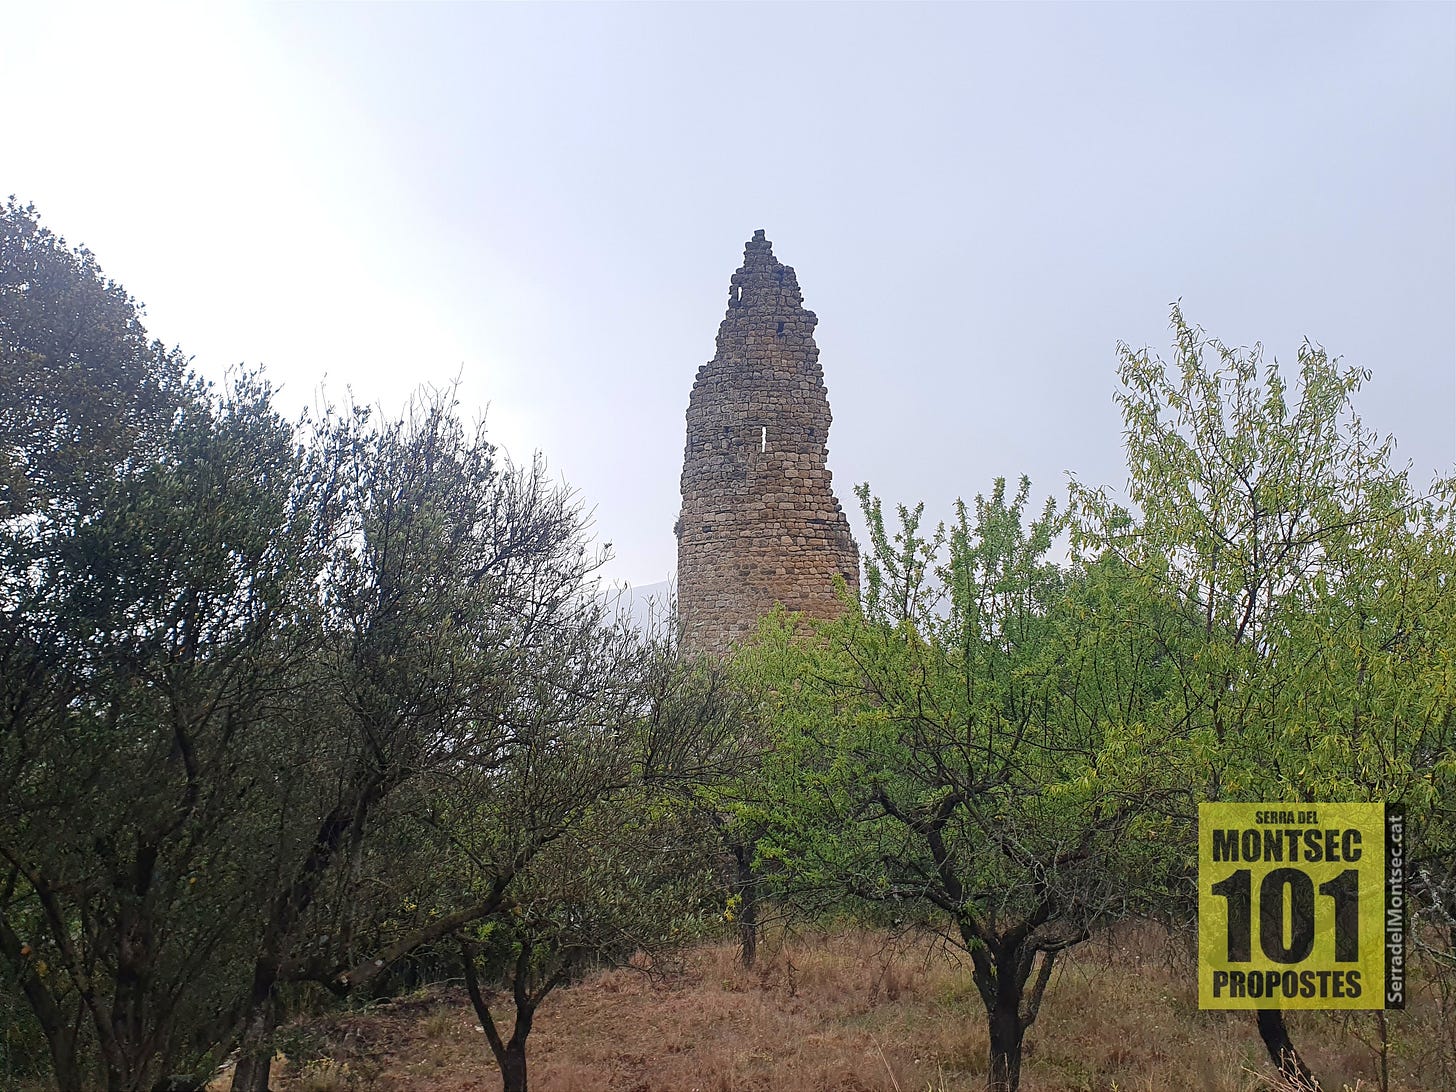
x=855 y=1013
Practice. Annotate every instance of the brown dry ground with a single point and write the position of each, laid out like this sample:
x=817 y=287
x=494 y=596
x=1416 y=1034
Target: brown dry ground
x=855 y=1012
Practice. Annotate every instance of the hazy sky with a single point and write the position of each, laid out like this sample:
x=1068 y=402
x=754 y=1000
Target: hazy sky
x=548 y=200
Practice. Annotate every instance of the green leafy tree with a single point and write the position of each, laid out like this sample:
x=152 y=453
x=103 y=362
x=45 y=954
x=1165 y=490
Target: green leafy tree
x=959 y=751
x=453 y=638
x=708 y=743
x=237 y=657
x=569 y=842
x=478 y=704
x=1279 y=523
x=154 y=545
x=82 y=385
x=627 y=885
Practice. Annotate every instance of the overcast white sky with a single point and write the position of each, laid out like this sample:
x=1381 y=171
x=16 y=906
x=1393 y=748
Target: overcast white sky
x=548 y=200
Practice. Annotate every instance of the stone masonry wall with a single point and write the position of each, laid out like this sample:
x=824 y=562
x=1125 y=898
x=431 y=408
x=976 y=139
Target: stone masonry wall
x=759 y=522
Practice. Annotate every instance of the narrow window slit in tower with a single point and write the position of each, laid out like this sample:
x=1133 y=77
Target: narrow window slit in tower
x=781 y=329
x=763 y=439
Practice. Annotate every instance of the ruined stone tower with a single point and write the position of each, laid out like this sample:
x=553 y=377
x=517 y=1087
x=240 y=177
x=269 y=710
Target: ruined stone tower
x=759 y=522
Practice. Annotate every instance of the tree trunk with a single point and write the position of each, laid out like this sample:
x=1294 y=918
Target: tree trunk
x=182 y=1082
x=126 y=1072
x=746 y=887
x=65 y=1070
x=510 y=1055
x=1286 y=1059
x=513 y=1066
x=1003 y=1074
x=1002 y=970
x=255 y=1055
x=60 y=1032
x=63 y=1059
x=289 y=905
x=60 y=1035
x=135 y=1018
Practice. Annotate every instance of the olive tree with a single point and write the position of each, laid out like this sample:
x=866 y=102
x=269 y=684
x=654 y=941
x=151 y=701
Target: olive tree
x=155 y=537
x=451 y=592
x=574 y=839
x=229 y=645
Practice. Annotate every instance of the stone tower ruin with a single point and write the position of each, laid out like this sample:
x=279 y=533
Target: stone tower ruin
x=759 y=522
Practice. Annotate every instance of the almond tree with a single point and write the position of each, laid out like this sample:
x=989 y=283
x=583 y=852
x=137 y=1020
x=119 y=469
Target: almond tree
x=1318 y=577
x=629 y=884
x=226 y=646
x=967 y=749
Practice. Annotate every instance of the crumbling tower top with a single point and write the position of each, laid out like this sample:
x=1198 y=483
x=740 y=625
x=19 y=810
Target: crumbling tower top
x=760 y=524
